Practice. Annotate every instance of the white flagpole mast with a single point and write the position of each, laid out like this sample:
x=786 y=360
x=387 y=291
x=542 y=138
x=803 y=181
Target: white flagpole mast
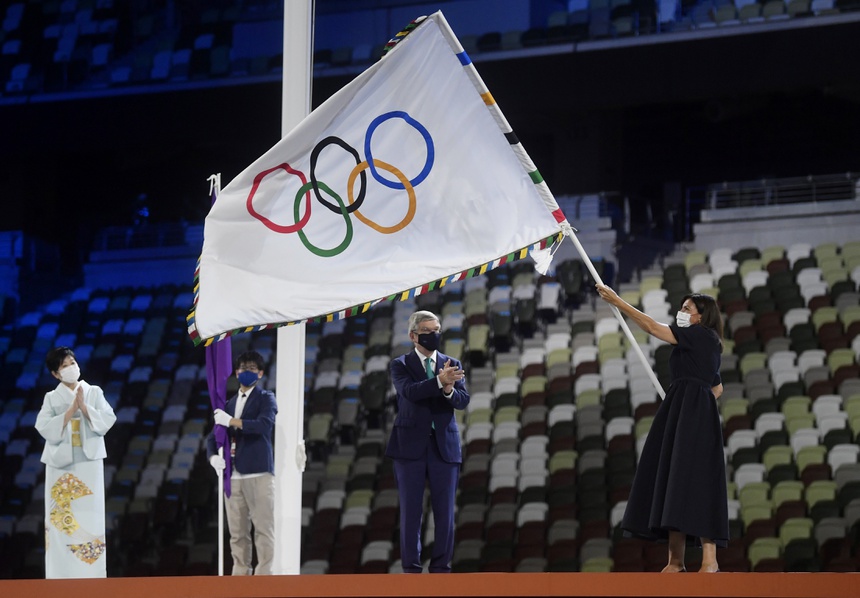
x=215 y=186
x=221 y=516
x=289 y=424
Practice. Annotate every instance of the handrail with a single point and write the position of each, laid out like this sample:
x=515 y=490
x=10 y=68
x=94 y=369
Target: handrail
x=766 y=192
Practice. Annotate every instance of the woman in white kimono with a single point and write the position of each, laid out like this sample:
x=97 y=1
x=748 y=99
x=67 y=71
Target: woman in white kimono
x=73 y=420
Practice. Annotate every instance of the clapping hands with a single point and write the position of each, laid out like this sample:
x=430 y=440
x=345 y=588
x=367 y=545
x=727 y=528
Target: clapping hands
x=450 y=374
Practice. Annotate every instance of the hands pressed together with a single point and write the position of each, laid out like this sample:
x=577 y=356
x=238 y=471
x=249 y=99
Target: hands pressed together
x=78 y=404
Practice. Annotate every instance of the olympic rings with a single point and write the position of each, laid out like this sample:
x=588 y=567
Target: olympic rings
x=428 y=163
x=300 y=224
x=410 y=191
x=312 y=248
x=354 y=202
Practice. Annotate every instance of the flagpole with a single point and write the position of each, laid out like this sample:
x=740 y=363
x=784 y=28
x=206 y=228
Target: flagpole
x=289 y=424
x=627 y=332
x=221 y=516
x=218 y=368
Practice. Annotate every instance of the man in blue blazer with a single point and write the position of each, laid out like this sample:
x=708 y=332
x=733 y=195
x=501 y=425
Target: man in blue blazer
x=250 y=421
x=425 y=441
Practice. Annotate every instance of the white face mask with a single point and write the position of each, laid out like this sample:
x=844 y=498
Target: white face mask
x=682 y=319
x=70 y=373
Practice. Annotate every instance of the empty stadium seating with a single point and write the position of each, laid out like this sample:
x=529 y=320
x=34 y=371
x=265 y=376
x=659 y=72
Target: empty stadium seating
x=560 y=407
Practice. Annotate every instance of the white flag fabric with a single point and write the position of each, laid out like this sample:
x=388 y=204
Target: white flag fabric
x=405 y=180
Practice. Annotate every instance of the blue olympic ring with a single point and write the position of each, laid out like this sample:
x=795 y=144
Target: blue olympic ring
x=428 y=163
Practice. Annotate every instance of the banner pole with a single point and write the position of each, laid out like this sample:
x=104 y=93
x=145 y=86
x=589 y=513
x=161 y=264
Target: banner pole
x=221 y=516
x=627 y=332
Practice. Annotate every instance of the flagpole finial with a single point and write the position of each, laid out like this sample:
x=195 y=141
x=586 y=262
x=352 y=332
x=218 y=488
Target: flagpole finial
x=214 y=183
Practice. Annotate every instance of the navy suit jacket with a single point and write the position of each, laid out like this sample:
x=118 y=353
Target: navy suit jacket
x=419 y=402
x=254 y=453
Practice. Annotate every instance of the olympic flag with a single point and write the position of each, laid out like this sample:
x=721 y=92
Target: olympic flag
x=407 y=179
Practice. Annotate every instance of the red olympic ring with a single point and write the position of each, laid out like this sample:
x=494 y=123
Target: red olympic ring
x=278 y=228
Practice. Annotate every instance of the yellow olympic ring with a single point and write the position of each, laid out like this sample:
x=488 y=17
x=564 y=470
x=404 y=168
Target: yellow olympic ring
x=410 y=191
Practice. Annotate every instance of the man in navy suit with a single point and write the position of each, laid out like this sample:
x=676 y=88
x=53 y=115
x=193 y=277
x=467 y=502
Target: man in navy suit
x=425 y=441
x=250 y=421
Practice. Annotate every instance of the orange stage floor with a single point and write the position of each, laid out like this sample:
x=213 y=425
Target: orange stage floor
x=752 y=585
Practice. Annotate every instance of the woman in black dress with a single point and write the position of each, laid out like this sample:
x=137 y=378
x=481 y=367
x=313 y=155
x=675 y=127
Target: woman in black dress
x=679 y=490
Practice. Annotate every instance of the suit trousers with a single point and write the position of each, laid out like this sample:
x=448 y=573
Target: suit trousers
x=252 y=501
x=412 y=474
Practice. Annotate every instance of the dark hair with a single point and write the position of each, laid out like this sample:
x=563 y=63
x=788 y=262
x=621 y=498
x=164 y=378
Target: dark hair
x=251 y=357
x=709 y=310
x=56 y=356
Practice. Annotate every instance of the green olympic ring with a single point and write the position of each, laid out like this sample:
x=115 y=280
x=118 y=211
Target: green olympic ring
x=310 y=247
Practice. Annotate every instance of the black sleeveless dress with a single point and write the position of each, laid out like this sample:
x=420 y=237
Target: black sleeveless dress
x=680 y=481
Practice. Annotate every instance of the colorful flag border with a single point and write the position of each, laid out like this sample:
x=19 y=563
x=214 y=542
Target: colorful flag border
x=366 y=306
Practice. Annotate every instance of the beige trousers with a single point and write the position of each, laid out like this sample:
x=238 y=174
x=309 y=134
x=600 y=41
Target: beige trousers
x=252 y=502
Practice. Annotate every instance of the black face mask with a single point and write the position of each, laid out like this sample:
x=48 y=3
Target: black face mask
x=430 y=340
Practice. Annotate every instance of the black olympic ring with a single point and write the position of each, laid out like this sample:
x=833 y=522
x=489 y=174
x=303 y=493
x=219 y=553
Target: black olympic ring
x=315 y=184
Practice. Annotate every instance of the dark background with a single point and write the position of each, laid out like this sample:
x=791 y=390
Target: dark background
x=636 y=119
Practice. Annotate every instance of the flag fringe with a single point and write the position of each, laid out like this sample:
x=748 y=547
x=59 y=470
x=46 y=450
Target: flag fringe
x=366 y=306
